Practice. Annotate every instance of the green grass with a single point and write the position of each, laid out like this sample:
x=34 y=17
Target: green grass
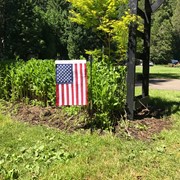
x=35 y=152
x=162 y=71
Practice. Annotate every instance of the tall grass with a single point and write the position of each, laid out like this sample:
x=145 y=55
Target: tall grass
x=33 y=80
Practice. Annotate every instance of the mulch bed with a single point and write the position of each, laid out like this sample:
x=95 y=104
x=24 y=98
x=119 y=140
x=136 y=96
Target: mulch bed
x=146 y=124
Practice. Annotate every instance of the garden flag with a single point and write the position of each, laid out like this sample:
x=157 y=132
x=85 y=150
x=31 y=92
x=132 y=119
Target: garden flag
x=71 y=82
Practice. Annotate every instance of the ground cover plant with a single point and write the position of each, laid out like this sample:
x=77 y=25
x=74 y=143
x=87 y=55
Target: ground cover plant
x=40 y=152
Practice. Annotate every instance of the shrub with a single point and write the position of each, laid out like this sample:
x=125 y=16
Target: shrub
x=108 y=92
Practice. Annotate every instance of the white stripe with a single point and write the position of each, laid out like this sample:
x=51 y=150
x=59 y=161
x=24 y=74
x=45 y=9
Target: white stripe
x=65 y=94
x=70 y=94
x=79 y=85
x=60 y=95
x=69 y=61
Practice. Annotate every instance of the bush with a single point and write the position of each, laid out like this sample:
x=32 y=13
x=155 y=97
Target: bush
x=108 y=92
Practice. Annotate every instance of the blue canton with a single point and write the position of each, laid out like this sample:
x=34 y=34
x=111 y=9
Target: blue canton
x=64 y=73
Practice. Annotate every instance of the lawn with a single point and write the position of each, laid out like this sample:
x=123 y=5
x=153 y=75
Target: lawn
x=39 y=152
x=162 y=71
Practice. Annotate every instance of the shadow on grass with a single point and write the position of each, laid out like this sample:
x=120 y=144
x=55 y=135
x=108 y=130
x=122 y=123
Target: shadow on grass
x=158 y=81
x=170 y=107
x=158 y=108
x=160 y=76
x=165 y=76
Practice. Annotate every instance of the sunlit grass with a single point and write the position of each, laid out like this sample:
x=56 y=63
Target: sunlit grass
x=162 y=71
x=43 y=153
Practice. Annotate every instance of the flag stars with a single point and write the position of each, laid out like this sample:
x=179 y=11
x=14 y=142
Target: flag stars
x=64 y=74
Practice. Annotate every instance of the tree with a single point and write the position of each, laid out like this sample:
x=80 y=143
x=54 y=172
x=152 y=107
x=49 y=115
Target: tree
x=81 y=39
x=22 y=33
x=161 y=51
x=162 y=34
x=176 y=32
x=1 y=27
x=59 y=33
x=108 y=19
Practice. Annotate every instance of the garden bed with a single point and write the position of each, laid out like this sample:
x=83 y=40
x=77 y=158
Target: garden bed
x=147 y=123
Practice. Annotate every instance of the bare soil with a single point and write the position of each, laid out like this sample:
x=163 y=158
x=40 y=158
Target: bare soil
x=147 y=123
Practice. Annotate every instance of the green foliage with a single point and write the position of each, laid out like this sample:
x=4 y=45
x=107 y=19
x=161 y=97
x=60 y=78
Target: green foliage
x=163 y=35
x=55 y=26
x=1 y=26
x=108 y=92
x=34 y=155
x=34 y=82
x=22 y=29
x=42 y=29
x=34 y=29
x=109 y=19
x=176 y=32
x=81 y=39
x=161 y=50
x=72 y=111
x=33 y=79
x=31 y=156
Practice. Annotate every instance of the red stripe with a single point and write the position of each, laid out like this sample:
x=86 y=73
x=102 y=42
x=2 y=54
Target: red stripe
x=76 y=84
x=57 y=94
x=86 y=85
x=62 y=96
x=72 y=94
x=82 y=86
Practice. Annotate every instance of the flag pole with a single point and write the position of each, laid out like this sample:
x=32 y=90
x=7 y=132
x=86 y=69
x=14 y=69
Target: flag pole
x=91 y=93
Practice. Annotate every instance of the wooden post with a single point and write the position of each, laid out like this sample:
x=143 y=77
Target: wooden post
x=131 y=100
x=147 y=29
x=131 y=62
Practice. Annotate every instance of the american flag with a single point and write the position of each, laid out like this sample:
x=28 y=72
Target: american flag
x=71 y=82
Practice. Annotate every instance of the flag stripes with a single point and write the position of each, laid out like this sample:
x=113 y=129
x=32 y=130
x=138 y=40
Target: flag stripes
x=74 y=93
